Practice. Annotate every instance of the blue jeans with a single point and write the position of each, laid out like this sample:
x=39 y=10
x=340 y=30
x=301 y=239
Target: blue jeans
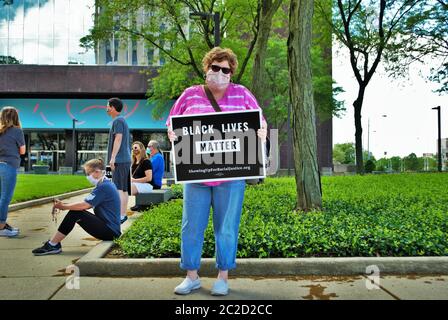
x=227 y=202
x=8 y=178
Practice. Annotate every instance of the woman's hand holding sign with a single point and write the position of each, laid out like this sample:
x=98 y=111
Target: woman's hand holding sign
x=262 y=132
x=171 y=135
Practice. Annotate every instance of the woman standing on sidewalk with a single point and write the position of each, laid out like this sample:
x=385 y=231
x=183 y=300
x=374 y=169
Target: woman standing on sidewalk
x=12 y=145
x=226 y=198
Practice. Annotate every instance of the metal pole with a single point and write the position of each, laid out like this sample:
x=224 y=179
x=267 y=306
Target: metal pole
x=217 y=29
x=74 y=146
x=368 y=139
x=439 y=141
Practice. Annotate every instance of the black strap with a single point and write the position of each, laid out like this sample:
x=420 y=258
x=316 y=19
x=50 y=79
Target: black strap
x=139 y=164
x=212 y=99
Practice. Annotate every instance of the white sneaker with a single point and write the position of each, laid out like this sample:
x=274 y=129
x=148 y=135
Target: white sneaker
x=187 y=286
x=8 y=231
x=12 y=228
x=220 y=288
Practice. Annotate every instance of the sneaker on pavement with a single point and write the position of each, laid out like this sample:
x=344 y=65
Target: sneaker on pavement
x=220 y=288
x=47 y=249
x=187 y=286
x=9 y=231
x=123 y=219
x=12 y=228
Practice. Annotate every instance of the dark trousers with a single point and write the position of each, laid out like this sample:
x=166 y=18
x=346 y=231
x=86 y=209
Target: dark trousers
x=89 y=222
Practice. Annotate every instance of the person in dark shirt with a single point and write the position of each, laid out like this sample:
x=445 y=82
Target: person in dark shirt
x=104 y=224
x=141 y=172
x=12 y=145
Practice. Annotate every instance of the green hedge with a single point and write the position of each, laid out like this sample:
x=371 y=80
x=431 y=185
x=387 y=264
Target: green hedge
x=393 y=215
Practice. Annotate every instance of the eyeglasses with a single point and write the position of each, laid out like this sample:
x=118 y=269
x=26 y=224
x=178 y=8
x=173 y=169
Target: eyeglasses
x=136 y=149
x=216 y=68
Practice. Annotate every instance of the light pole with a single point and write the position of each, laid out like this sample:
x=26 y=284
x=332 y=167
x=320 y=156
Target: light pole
x=216 y=18
x=74 y=146
x=439 y=141
x=368 y=139
x=368 y=136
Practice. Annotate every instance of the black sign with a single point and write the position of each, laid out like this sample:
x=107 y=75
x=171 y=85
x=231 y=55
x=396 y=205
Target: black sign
x=218 y=146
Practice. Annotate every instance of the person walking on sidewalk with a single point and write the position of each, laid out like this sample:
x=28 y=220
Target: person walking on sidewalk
x=118 y=153
x=12 y=145
x=105 y=201
x=226 y=198
x=158 y=164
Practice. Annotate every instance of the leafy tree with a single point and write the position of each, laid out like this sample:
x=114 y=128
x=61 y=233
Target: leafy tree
x=266 y=11
x=309 y=192
x=344 y=153
x=9 y=60
x=368 y=29
x=412 y=163
x=241 y=24
x=369 y=166
x=382 y=164
x=424 y=38
x=396 y=163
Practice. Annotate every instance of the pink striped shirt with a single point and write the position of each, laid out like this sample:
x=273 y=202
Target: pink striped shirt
x=194 y=101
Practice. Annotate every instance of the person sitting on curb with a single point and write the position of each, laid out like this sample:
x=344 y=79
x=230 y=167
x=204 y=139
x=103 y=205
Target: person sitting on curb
x=105 y=201
x=141 y=172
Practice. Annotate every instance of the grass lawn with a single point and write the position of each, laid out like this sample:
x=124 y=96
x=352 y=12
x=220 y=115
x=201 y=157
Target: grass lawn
x=34 y=186
x=371 y=215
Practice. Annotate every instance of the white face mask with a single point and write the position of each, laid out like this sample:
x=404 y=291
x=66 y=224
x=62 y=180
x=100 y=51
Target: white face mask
x=217 y=79
x=93 y=180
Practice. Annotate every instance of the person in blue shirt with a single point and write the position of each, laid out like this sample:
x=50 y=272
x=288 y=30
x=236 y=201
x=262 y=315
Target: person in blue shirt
x=103 y=224
x=158 y=163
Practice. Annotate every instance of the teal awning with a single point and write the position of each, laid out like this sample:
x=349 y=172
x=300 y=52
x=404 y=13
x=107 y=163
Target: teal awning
x=90 y=113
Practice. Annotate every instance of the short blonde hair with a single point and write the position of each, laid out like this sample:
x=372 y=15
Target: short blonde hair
x=220 y=54
x=95 y=164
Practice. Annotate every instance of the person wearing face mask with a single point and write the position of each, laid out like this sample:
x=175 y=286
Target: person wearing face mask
x=141 y=171
x=226 y=198
x=103 y=224
x=158 y=164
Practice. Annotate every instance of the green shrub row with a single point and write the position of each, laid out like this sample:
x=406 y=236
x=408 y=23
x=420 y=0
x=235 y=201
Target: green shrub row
x=394 y=215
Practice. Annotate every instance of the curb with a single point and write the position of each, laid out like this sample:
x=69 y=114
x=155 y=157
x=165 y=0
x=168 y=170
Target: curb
x=93 y=264
x=37 y=202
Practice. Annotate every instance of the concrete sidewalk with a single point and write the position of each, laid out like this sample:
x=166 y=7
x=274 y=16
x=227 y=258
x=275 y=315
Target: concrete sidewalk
x=291 y=288
x=24 y=276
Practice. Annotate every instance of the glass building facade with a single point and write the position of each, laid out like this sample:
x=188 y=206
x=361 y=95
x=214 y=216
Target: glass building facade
x=44 y=36
x=48 y=32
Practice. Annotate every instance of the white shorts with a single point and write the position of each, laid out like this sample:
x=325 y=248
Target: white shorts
x=143 y=187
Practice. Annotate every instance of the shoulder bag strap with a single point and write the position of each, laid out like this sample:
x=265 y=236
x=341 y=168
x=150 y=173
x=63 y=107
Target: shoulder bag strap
x=212 y=99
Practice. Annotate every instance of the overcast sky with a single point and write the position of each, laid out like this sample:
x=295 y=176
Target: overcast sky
x=409 y=126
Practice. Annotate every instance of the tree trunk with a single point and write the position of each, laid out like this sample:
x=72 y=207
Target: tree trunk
x=267 y=11
x=358 y=130
x=309 y=194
